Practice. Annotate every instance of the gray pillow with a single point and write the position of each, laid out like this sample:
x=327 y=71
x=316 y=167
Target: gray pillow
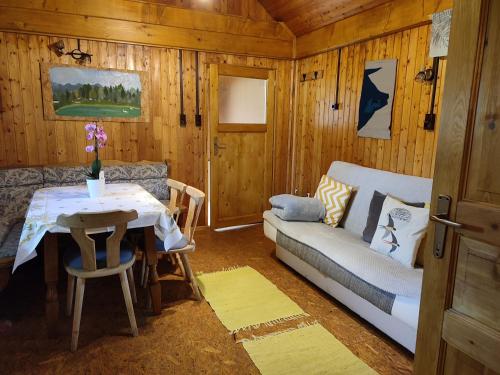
x=374 y=214
x=293 y=208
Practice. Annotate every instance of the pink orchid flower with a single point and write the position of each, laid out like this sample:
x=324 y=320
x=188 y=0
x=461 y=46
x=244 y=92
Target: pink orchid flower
x=91 y=126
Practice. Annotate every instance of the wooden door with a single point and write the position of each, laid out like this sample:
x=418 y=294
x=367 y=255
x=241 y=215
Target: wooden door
x=459 y=329
x=241 y=144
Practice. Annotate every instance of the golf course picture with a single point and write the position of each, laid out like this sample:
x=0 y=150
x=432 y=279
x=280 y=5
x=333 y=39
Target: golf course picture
x=95 y=93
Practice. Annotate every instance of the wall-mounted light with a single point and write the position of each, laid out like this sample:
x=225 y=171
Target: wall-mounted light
x=429 y=76
x=77 y=54
x=425 y=76
x=57 y=48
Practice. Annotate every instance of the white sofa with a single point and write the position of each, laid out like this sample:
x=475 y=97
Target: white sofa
x=376 y=287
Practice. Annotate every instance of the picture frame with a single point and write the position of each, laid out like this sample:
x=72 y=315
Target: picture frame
x=73 y=93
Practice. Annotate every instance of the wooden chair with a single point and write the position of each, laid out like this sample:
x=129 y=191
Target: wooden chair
x=89 y=262
x=177 y=192
x=187 y=244
x=176 y=208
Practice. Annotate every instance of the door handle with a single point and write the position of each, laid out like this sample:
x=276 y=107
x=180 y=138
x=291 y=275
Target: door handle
x=443 y=219
x=218 y=146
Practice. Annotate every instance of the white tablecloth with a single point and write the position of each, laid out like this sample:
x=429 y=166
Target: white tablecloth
x=47 y=204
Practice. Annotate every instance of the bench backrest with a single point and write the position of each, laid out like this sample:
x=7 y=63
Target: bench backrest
x=152 y=176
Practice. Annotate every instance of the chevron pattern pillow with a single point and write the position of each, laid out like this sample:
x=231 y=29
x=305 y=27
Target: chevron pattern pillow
x=335 y=196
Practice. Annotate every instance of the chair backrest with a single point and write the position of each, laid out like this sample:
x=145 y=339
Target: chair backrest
x=196 y=198
x=177 y=191
x=78 y=224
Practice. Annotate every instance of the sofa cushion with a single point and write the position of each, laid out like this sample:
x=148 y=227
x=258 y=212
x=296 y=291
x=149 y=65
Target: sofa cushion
x=350 y=252
x=328 y=267
x=367 y=180
x=399 y=231
x=335 y=196
x=293 y=208
x=374 y=214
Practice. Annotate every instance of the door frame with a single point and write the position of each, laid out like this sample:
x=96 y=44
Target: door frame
x=460 y=95
x=216 y=69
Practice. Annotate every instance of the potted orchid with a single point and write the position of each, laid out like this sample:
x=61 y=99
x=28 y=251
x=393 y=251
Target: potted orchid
x=95 y=180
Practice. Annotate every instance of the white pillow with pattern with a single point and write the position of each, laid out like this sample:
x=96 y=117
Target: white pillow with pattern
x=335 y=196
x=400 y=230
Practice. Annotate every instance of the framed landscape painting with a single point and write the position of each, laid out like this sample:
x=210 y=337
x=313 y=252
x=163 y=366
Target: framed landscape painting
x=81 y=93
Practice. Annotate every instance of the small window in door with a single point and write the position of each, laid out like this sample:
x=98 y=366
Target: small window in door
x=242 y=100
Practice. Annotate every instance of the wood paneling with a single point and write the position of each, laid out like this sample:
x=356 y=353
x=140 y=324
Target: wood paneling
x=27 y=139
x=245 y=8
x=148 y=24
x=131 y=10
x=322 y=135
x=304 y=16
x=393 y=16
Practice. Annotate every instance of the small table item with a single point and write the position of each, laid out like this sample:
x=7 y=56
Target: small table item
x=48 y=203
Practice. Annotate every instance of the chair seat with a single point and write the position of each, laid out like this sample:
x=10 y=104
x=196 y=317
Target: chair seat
x=73 y=258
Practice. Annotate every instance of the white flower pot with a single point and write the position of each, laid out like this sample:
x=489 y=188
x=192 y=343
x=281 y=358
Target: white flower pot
x=96 y=187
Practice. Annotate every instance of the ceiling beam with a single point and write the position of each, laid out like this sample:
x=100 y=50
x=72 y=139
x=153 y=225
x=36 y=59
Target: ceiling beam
x=159 y=14
x=147 y=24
x=388 y=18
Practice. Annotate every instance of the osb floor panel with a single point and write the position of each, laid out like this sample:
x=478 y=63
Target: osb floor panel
x=187 y=338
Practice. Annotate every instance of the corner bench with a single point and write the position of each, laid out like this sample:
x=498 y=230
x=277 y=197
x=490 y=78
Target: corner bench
x=17 y=186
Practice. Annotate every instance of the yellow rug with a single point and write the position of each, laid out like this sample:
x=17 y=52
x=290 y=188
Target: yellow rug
x=242 y=298
x=308 y=350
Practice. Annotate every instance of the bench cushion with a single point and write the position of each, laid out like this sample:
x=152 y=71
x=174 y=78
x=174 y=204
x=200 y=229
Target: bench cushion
x=17 y=186
x=14 y=177
x=8 y=248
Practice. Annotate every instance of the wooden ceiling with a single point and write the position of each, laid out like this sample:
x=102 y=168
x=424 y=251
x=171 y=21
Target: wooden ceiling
x=304 y=16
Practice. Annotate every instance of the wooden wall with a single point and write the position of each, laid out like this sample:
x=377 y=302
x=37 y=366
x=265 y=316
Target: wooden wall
x=322 y=135
x=390 y=17
x=308 y=136
x=244 y=8
x=27 y=139
x=236 y=27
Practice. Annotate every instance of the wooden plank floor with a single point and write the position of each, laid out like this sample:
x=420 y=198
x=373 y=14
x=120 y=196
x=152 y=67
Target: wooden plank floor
x=187 y=338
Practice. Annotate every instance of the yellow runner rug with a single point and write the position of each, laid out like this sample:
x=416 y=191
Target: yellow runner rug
x=242 y=298
x=308 y=350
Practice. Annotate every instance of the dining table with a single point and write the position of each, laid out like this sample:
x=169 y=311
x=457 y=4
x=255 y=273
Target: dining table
x=48 y=203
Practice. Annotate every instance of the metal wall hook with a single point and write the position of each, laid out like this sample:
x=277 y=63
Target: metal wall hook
x=77 y=54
